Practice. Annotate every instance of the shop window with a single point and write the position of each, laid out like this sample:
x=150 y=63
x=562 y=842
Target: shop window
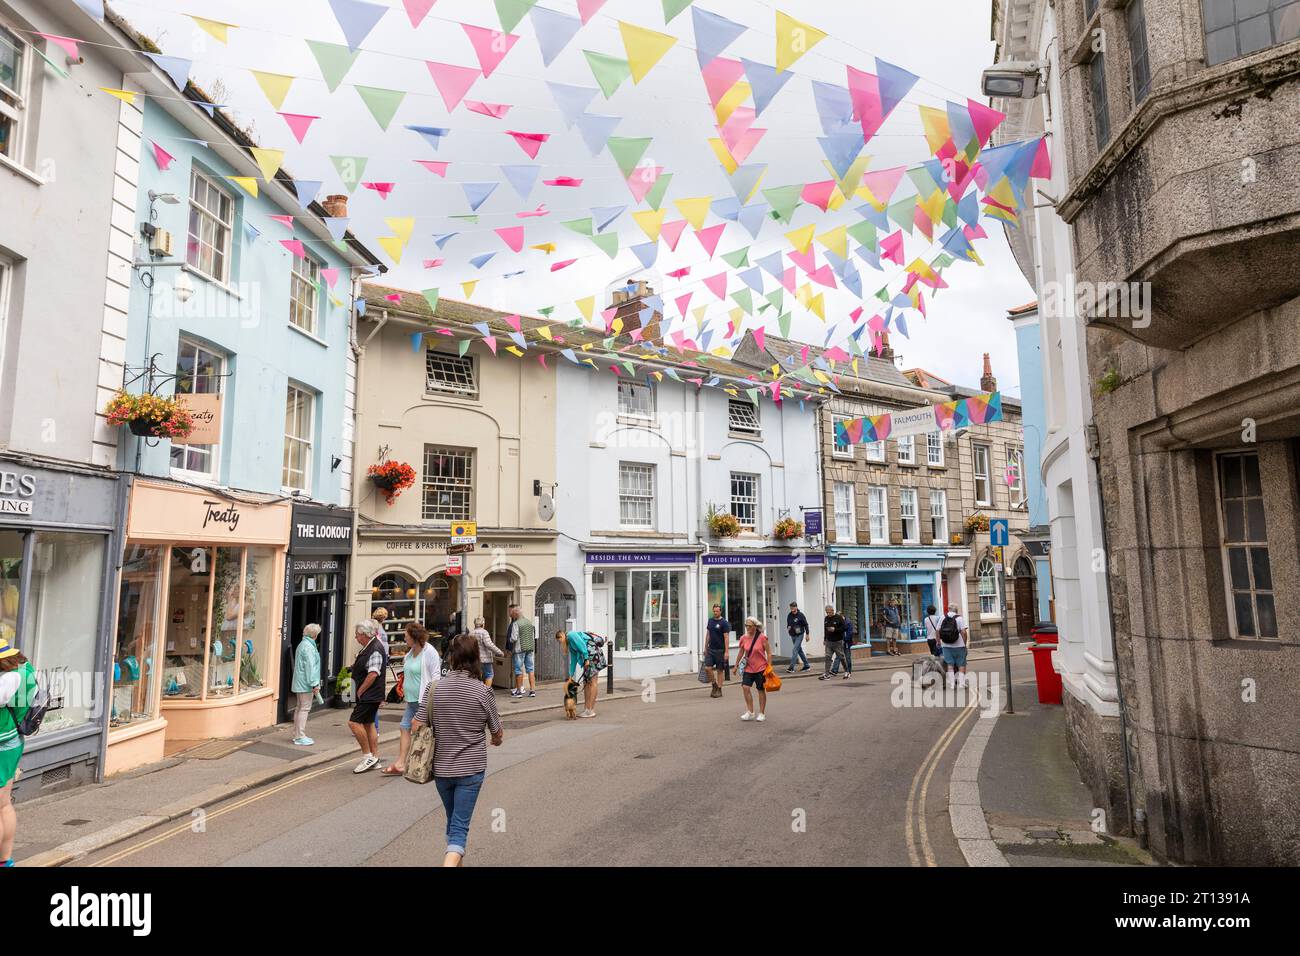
x=397 y=594
x=939 y=516
x=299 y=427
x=635 y=399
x=743 y=418
x=1097 y=90
x=185 y=627
x=199 y=371
x=448 y=483
x=13 y=90
x=1245 y=547
x=987 y=578
x=648 y=611
x=934 y=449
x=134 y=692
x=1233 y=30
x=212 y=220
x=453 y=374
x=878 y=512
x=256 y=630
x=907 y=450
x=840 y=449
x=744 y=500
x=440 y=605
x=742 y=593
x=636 y=495
x=11 y=584
x=304 y=293
x=846 y=524
x=61 y=624
x=1138 y=54
x=908 y=516
x=983 y=486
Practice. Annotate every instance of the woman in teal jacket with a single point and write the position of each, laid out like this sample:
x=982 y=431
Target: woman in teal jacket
x=17 y=689
x=306 y=682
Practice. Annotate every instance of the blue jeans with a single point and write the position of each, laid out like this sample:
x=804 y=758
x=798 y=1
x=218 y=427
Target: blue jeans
x=796 y=652
x=459 y=794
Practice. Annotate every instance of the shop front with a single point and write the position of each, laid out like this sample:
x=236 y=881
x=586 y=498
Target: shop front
x=197 y=651
x=57 y=553
x=761 y=584
x=646 y=601
x=866 y=580
x=315 y=591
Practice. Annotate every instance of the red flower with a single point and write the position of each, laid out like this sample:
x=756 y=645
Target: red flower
x=391 y=478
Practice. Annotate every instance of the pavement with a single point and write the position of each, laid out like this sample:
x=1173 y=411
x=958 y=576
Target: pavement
x=841 y=772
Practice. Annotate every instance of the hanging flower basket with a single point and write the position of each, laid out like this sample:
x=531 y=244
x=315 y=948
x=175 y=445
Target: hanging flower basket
x=391 y=478
x=977 y=522
x=722 y=524
x=149 y=415
x=787 y=529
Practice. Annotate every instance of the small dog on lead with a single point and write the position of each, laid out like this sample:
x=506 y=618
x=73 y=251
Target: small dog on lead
x=571 y=699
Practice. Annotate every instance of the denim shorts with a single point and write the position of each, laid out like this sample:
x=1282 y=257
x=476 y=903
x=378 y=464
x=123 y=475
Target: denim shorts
x=523 y=662
x=755 y=679
x=408 y=716
x=954 y=656
x=488 y=672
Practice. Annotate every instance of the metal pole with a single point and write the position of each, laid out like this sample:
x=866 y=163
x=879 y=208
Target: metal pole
x=1006 y=635
x=609 y=676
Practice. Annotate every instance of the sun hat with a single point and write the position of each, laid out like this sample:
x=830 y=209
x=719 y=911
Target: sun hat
x=6 y=649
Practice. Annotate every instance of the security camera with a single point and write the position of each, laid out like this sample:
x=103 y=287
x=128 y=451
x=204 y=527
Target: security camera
x=1013 y=80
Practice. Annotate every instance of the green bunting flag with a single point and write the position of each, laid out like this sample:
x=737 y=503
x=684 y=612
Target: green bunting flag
x=627 y=152
x=350 y=169
x=511 y=12
x=784 y=200
x=609 y=71
x=431 y=296
x=581 y=226
x=655 y=197
x=784 y=322
x=382 y=104
x=738 y=259
x=462 y=347
x=607 y=243
x=744 y=298
x=334 y=61
x=864 y=233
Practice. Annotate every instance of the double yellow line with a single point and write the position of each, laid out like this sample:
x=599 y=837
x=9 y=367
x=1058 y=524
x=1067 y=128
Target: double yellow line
x=918 y=844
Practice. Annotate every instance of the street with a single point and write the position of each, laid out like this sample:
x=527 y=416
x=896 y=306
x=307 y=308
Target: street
x=677 y=781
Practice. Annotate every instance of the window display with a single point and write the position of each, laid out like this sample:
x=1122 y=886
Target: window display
x=742 y=592
x=648 y=610
x=137 y=617
x=255 y=639
x=185 y=628
x=11 y=579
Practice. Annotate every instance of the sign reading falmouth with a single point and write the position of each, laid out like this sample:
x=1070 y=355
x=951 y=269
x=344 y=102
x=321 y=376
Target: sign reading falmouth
x=16 y=491
x=962 y=413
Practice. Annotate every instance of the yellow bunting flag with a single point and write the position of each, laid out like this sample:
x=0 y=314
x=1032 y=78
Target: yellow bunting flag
x=468 y=288
x=650 y=221
x=934 y=206
x=268 y=161
x=402 y=226
x=126 y=96
x=248 y=183
x=274 y=85
x=794 y=38
x=545 y=332
x=514 y=351
x=935 y=124
x=818 y=306
x=393 y=245
x=730 y=100
x=694 y=211
x=585 y=306
x=801 y=239
x=214 y=28
x=724 y=155
x=546 y=247
x=617 y=326
x=644 y=48
x=804 y=294
x=852 y=179
x=837 y=241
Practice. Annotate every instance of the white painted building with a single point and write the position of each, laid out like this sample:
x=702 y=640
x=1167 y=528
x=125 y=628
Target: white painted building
x=640 y=461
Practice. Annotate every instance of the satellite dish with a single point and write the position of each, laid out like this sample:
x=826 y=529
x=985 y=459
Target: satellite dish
x=545 y=507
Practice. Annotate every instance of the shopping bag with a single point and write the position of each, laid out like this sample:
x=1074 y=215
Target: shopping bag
x=703 y=676
x=771 y=683
x=419 y=762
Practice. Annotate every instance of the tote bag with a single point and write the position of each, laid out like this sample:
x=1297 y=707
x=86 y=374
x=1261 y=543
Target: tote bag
x=419 y=762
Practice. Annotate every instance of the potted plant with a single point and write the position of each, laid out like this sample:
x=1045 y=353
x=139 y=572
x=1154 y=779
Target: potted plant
x=391 y=478
x=976 y=522
x=149 y=415
x=722 y=524
x=787 y=529
x=343 y=688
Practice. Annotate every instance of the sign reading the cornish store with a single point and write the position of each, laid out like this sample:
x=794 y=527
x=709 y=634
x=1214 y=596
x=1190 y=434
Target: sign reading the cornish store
x=16 y=491
x=886 y=564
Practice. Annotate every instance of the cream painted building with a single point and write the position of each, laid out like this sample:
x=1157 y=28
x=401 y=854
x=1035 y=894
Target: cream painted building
x=479 y=432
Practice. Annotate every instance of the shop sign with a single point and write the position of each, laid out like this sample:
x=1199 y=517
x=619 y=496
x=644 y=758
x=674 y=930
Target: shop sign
x=182 y=514
x=640 y=557
x=453 y=565
x=886 y=564
x=321 y=531
x=441 y=545
x=1039 y=549
x=762 y=560
x=812 y=522
x=16 y=491
x=205 y=413
x=316 y=565
x=460 y=549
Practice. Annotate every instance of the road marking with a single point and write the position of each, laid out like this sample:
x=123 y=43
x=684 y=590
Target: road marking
x=916 y=797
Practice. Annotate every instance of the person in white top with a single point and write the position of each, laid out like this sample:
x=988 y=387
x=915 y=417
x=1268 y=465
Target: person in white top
x=953 y=626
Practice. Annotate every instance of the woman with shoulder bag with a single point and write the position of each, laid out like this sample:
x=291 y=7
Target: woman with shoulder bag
x=420 y=667
x=755 y=656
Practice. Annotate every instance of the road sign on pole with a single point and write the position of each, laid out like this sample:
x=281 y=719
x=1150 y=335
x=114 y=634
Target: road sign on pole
x=464 y=532
x=999 y=532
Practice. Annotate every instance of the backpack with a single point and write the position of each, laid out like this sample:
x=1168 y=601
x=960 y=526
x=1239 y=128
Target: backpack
x=36 y=710
x=949 y=633
x=595 y=651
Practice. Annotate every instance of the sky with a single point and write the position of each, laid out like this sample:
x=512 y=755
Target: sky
x=945 y=42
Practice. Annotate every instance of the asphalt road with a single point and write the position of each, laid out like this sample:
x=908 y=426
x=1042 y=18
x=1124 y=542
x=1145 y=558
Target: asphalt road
x=837 y=775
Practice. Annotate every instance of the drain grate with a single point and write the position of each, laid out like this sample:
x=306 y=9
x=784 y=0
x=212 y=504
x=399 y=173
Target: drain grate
x=214 y=749
x=56 y=775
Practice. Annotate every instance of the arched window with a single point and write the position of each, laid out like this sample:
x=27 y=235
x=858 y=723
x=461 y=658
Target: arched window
x=987 y=575
x=440 y=604
x=396 y=592
x=1024 y=567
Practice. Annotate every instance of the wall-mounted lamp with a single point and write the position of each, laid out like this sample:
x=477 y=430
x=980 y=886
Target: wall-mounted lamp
x=335 y=461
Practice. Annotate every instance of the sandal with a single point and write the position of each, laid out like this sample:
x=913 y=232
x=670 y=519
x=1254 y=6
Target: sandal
x=392 y=771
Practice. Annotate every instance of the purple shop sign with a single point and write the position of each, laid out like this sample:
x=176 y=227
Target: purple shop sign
x=760 y=560
x=640 y=557
x=812 y=523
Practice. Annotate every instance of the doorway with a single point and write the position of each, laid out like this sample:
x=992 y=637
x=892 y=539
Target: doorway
x=1026 y=616
x=500 y=590
x=314 y=600
x=554 y=607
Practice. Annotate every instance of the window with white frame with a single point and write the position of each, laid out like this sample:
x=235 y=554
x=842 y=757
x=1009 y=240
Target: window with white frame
x=934 y=449
x=876 y=451
x=1245 y=546
x=448 y=483
x=212 y=221
x=983 y=486
x=939 y=516
x=878 y=514
x=636 y=495
x=635 y=399
x=299 y=422
x=840 y=449
x=986 y=575
x=199 y=371
x=846 y=519
x=907 y=450
x=744 y=499
x=742 y=417
x=907 y=515
x=454 y=374
x=13 y=92
x=304 y=293
x=1016 y=476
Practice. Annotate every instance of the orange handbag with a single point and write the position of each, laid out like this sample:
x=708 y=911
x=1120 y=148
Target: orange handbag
x=771 y=682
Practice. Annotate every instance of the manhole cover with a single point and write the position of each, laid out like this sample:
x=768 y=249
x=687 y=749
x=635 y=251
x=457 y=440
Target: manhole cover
x=214 y=749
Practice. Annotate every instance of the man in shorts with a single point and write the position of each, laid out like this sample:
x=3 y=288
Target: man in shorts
x=524 y=636
x=715 y=649
x=954 y=654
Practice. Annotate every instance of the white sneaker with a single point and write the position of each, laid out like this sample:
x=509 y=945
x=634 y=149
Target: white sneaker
x=587 y=713
x=747 y=715
x=367 y=763
x=761 y=717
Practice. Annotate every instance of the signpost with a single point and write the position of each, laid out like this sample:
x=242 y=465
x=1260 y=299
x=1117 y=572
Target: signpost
x=453 y=565
x=464 y=532
x=1000 y=538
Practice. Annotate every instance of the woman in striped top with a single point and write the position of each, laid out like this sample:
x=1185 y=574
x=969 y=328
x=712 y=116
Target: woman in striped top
x=460 y=708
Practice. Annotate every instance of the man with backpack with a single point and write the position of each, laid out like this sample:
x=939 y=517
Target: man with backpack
x=953 y=634
x=22 y=707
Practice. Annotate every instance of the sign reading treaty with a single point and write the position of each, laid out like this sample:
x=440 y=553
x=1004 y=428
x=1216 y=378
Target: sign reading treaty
x=976 y=410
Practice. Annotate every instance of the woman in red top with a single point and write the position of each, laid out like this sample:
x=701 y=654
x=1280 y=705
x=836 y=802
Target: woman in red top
x=757 y=654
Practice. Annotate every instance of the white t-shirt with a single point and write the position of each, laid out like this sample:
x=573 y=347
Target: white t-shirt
x=10 y=683
x=935 y=621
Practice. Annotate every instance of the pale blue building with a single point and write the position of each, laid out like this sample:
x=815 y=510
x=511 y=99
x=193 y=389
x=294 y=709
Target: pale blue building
x=1038 y=540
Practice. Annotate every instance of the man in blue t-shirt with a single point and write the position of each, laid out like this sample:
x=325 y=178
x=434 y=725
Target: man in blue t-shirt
x=715 y=649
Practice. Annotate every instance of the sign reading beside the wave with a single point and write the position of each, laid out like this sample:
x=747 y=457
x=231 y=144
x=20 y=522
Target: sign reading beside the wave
x=976 y=410
x=464 y=532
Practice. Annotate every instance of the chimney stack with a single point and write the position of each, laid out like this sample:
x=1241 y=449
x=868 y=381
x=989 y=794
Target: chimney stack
x=987 y=382
x=886 y=350
x=336 y=206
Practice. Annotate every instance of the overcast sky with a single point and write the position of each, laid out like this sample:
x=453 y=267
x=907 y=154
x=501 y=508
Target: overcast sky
x=946 y=42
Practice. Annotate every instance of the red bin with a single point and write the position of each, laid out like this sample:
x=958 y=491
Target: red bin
x=1049 y=682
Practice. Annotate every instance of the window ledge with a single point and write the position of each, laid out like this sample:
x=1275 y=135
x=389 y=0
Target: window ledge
x=637 y=421
x=199 y=274
x=23 y=171
x=745 y=436
x=308 y=335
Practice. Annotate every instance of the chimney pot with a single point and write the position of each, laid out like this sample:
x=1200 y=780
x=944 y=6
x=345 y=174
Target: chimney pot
x=987 y=382
x=336 y=206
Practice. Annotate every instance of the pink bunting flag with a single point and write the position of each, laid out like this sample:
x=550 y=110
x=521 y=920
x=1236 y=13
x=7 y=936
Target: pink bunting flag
x=856 y=314
x=720 y=76
x=394 y=297
x=803 y=355
x=453 y=82
x=536 y=213
x=740 y=120
x=717 y=285
x=864 y=91
x=671 y=233
x=709 y=238
x=882 y=182
x=891 y=248
x=678 y=273
x=67 y=44
x=490 y=46
x=331 y=276
x=985 y=119
x=286 y=221
x=512 y=236
x=609 y=315
x=642 y=181
x=746 y=143
x=530 y=143
x=161 y=157
x=491 y=342
x=563 y=264
x=788 y=279
x=541 y=357
x=514 y=322
x=437 y=167
x=588 y=9
x=494 y=110
x=760 y=339
x=807 y=261
x=1042 y=168
x=819 y=194
x=683 y=301
x=563 y=181
x=417 y=10
x=384 y=189
x=433 y=263
x=824 y=276
x=299 y=124
x=294 y=246
x=636 y=334
x=975 y=232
